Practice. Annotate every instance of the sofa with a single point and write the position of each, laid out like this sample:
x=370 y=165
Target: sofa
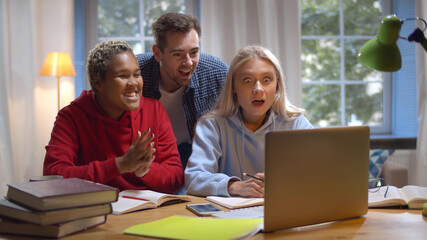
x=394 y=174
x=395 y=164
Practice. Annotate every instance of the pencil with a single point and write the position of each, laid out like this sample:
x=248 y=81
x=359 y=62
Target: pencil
x=252 y=176
x=136 y=198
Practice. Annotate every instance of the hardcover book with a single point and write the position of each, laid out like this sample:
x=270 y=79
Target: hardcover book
x=52 y=231
x=60 y=194
x=17 y=212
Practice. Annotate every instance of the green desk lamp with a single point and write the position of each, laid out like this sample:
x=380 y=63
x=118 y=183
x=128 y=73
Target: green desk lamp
x=382 y=53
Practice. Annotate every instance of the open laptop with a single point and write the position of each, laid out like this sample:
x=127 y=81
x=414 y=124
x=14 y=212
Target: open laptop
x=315 y=176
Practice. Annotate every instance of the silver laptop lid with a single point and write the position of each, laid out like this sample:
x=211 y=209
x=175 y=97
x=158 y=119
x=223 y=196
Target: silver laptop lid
x=315 y=176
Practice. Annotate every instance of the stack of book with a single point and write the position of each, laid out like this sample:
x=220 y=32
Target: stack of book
x=55 y=208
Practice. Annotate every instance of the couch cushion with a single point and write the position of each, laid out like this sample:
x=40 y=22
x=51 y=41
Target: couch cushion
x=376 y=161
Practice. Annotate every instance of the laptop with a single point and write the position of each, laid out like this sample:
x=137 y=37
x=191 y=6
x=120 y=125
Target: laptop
x=315 y=176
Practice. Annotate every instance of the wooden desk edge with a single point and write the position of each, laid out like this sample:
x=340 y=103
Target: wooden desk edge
x=377 y=224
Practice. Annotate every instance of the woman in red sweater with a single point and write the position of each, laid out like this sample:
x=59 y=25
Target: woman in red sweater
x=112 y=134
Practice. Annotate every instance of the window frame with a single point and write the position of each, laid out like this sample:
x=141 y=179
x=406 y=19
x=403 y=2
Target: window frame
x=386 y=126
x=86 y=31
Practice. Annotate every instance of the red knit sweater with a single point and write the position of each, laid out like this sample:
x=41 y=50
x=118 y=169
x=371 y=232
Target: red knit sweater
x=85 y=142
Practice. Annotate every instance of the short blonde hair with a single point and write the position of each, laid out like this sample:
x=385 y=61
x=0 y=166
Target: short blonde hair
x=100 y=58
x=228 y=105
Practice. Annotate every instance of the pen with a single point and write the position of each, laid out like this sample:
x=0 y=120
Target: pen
x=252 y=176
x=136 y=198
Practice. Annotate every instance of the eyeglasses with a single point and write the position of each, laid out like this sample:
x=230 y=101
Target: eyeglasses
x=375 y=185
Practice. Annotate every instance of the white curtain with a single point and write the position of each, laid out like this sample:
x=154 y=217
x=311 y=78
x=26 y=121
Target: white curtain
x=28 y=31
x=420 y=164
x=228 y=26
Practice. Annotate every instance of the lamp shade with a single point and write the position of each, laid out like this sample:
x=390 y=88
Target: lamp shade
x=58 y=64
x=382 y=53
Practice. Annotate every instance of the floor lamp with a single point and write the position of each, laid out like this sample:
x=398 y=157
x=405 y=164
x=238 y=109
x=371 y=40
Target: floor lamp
x=58 y=64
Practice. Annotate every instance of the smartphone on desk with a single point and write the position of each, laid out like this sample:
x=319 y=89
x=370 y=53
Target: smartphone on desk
x=203 y=209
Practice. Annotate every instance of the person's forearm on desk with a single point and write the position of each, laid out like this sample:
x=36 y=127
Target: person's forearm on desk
x=249 y=188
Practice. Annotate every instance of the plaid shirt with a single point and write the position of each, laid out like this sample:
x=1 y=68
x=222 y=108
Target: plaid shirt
x=200 y=96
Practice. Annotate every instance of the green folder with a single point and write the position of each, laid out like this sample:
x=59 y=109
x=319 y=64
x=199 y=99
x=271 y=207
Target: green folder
x=181 y=227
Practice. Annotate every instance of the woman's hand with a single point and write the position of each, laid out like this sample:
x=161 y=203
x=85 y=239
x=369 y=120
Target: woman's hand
x=143 y=169
x=139 y=155
x=248 y=188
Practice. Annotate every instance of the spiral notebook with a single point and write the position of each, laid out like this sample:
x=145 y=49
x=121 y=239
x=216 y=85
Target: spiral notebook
x=250 y=212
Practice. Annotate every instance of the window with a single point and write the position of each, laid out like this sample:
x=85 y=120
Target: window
x=131 y=20
x=337 y=90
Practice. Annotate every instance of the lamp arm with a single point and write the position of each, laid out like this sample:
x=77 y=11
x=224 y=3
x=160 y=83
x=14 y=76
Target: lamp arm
x=418 y=36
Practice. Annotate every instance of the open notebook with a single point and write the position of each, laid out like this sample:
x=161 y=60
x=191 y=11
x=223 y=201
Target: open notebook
x=313 y=176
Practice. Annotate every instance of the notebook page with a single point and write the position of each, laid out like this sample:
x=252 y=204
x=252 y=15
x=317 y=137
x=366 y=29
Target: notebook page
x=235 y=202
x=251 y=212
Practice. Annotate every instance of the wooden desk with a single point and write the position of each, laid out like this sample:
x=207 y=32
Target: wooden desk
x=377 y=224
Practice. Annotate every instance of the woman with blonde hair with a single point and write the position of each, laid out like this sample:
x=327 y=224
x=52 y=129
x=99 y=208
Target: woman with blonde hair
x=229 y=140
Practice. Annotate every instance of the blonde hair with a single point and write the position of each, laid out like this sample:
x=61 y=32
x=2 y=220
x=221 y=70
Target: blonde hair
x=100 y=58
x=228 y=105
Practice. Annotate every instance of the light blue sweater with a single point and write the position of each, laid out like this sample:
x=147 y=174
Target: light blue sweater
x=223 y=149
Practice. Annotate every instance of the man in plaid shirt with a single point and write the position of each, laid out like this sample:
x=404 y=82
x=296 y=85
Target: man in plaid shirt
x=186 y=81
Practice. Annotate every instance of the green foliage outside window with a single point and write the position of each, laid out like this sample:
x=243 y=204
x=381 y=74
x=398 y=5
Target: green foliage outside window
x=118 y=18
x=337 y=90
x=121 y=20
